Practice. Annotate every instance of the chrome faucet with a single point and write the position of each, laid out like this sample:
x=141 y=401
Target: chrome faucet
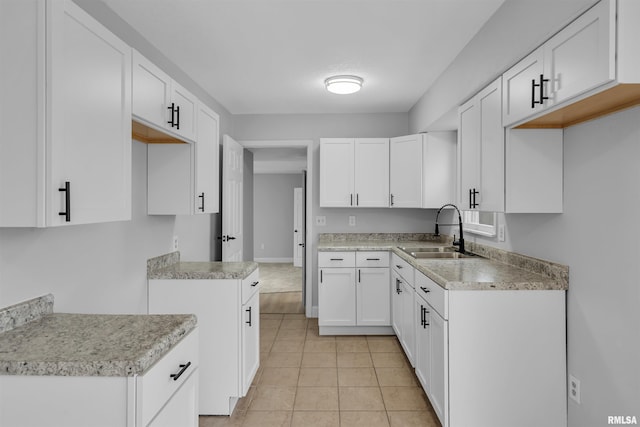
x=460 y=242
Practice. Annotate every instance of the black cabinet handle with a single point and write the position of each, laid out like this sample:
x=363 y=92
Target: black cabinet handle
x=425 y=290
x=67 y=201
x=248 y=310
x=351 y=202
x=254 y=284
x=424 y=314
x=373 y=259
x=357 y=199
x=231 y=238
x=179 y=374
x=533 y=93
x=359 y=275
x=201 y=196
x=178 y=117
x=320 y=276
x=336 y=259
x=398 y=290
x=472 y=198
x=172 y=122
x=540 y=87
x=398 y=266
x=391 y=199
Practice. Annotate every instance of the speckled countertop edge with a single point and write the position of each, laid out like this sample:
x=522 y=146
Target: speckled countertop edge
x=28 y=311
x=204 y=271
x=539 y=274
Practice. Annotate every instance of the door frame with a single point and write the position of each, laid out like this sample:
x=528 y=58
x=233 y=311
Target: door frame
x=308 y=143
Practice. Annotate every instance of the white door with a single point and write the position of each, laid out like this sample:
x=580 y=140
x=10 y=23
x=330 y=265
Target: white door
x=232 y=154
x=298 y=227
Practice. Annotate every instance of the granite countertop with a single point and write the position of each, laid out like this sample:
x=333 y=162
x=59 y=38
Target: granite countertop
x=169 y=266
x=87 y=344
x=493 y=270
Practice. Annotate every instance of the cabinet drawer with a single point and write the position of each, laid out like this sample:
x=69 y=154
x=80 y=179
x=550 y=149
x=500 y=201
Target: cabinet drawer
x=403 y=268
x=250 y=285
x=336 y=259
x=433 y=293
x=156 y=386
x=372 y=259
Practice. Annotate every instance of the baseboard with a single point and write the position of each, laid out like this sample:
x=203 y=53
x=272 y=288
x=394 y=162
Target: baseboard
x=267 y=260
x=356 y=330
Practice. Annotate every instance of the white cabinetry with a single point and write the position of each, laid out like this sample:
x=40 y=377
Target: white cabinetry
x=403 y=305
x=228 y=313
x=353 y=291
x=422 y=170
x=481 y=151
x=471 y=344
x=65 y=112
x=526 y=178
x=161 y=103
x=578 y=59
x=183 y=178
x=153 y=399
x=354 y=172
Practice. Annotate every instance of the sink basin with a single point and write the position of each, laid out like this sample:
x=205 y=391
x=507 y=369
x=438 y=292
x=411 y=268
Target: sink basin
x=439 y=255
x=434 y=253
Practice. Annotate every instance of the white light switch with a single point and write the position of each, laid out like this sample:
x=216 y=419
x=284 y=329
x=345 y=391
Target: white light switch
x=352 y=220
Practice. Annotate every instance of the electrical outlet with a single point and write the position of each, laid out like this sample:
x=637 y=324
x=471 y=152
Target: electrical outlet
x=352 y=220
x=574 y=389
x=261 y=245
x=321 y=221
x=501 y=232
x=175 y=243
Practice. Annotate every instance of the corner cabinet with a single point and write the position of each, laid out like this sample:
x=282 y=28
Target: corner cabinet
x=353 y=293
x=354 y=172
x=228 y=312
x=65 y=112
x=183 y=179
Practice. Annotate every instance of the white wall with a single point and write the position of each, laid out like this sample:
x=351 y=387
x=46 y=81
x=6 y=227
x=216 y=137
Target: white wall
x=273 y=219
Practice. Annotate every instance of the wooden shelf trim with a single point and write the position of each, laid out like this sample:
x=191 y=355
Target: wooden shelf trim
x=144 y=133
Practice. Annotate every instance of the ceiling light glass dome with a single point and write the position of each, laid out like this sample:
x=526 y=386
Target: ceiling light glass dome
x=343 y=85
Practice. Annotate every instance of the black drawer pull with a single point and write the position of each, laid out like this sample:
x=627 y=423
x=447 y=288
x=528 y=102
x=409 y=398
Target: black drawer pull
x=373 y=259
x=336 y=259
x=398 y=266
x=248 y=310
x=179 y=374
x=67 y=201
x=425 y=290
x=254 y=284
x=202 y=205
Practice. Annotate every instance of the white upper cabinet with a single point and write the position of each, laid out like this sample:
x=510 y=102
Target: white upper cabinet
x=65 y=138
x=438 y=168
x=577 y=60
x=207 y=152
x=160 y=102
x=183 y=179
x=354 y=172
x=405 y=159
x=481 y=151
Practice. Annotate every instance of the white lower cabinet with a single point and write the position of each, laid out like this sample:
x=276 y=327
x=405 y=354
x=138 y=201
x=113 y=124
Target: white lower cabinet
x=472 y=344
x=228 y=312
x=166 y=395
x=353 y=291
x=403 y=306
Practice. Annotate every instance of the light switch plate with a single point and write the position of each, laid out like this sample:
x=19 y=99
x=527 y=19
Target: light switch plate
x=352 y=220
x=321 y=221
x=501 y=232
x=175 y=243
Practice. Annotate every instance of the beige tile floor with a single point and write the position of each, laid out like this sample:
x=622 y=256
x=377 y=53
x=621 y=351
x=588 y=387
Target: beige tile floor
x=310 y=380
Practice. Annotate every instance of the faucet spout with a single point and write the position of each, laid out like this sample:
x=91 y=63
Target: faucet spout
x=460 y=242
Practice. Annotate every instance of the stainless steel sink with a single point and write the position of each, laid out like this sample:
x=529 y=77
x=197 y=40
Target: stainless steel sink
x=444 y=252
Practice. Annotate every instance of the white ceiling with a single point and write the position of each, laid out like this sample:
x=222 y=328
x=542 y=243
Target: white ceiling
x=272 y=56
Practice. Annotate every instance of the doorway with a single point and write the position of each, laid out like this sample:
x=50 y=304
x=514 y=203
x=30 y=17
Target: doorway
x=280 y=170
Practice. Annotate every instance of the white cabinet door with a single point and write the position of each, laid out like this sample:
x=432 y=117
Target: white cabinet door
x=481 y=151
x=337 y=297
x=468 y=153
x=182 y=114
x=207 y=165
x=491 y=161
x=396 y=304
x=423 y=345
x=151 y=91
x=336 y=172
x=522 y=98
x=373 y=297
x=581 y=57
x=181 y=409
x=438 y=169
x=408 y=340
x=89 y=120
x=439 y=360
x=405 y=160
x=371 y=172
x=250 y=341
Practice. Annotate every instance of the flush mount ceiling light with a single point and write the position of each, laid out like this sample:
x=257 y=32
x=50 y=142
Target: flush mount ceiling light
x=343 y=85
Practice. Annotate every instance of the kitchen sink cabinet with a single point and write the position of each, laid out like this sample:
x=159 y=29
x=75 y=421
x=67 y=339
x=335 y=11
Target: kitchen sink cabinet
x=354 y=172
x=228 y=312
x=422 y=170
x=160 y=102
x=353 y=292
x=65 y=133
x=403 y=305
x=153 y=399
x=183 y=179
